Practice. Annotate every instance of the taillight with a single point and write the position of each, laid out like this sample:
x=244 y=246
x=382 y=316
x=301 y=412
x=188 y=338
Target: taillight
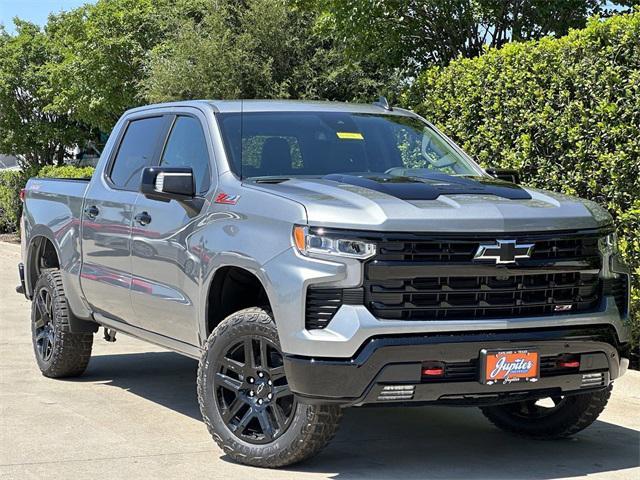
x=23 y=192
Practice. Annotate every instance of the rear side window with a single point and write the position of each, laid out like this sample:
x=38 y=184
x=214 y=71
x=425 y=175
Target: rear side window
x=187 y=147
x=136 y=152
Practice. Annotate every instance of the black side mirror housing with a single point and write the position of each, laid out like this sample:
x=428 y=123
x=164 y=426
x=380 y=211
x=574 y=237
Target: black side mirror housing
x=505 y=174
x=169 y=183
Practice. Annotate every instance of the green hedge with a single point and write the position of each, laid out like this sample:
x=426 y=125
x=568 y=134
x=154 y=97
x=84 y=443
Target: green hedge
x=12 y=181
x=565 y=112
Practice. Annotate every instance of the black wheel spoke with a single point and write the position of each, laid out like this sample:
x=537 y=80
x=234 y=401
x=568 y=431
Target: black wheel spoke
x=41 y=307
x=264 y=358
x=265 y=424
x=41 y=335
x=249 y=358
x=244 y=421
x=233 y=365
x=49 y=306
x=281 y=391
x=276 y=373
x=228 y=382
x=278 y=416
x=233 y=409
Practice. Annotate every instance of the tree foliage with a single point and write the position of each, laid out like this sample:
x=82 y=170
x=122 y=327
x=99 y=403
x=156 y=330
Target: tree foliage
x=414 y=34
x=29 y=127
x=100 y=53
x=256 y=49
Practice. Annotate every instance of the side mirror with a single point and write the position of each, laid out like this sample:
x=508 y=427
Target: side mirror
x=505 y=174
x=168 y=183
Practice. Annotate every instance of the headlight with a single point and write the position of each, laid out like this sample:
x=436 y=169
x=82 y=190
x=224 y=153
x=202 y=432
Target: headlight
x=316 y=242
x=609 y=244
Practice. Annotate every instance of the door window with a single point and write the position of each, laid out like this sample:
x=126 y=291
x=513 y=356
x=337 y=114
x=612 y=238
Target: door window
x=187 y=147
x=136 y=152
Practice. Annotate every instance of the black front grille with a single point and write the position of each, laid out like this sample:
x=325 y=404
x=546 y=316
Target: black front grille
x=459 y=250
x=439 y=280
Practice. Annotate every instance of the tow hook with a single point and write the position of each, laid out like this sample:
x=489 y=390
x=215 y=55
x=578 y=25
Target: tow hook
x=109 y=334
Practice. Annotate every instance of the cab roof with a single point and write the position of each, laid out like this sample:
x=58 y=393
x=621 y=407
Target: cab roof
x=236 y=106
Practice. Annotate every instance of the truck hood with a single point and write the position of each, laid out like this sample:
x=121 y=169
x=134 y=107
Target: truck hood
x=450 y=204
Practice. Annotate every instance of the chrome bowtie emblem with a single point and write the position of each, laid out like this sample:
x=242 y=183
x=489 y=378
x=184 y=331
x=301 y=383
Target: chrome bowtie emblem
x=503 y=251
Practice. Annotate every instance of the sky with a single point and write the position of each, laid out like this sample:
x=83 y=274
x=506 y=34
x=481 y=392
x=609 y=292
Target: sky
x=35 y=11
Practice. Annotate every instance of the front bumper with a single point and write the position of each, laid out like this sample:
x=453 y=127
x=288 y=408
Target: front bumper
x=396 y=362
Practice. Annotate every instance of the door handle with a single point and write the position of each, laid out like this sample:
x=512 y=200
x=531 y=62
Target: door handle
x=143 y=218
x=92 y=211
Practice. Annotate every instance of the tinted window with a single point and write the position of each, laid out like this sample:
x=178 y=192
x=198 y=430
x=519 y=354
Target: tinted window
x=187 y=147
x=136 y=152
x=321 y=143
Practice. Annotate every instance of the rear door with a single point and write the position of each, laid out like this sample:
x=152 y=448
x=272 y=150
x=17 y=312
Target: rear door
x=108 y=217
x=166 y=248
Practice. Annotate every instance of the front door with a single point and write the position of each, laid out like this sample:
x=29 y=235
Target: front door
x=108 y=217
x=165 y=262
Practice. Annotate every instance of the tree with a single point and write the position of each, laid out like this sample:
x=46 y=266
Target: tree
x=99 y=55
x=29 y=127
x=413 y=34
x=256 y=49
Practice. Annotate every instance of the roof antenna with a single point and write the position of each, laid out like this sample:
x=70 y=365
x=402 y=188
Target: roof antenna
x=383 y=102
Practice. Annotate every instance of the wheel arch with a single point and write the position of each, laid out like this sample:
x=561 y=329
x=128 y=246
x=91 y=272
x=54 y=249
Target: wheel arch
x=43 y=252
x=229 y=288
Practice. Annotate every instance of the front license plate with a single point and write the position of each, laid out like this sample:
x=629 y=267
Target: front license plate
x=509 y=366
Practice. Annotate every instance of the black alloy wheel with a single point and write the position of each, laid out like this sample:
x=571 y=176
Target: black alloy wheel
x=59 y=352
x=251 y=390
x=45 y=330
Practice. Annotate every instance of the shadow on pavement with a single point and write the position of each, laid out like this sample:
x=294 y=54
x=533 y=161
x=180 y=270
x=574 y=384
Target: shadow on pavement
x=420 y=442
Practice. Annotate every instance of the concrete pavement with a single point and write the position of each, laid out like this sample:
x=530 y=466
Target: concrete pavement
x=134 y=414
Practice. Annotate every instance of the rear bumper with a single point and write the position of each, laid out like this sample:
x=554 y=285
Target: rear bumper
x=396 y=362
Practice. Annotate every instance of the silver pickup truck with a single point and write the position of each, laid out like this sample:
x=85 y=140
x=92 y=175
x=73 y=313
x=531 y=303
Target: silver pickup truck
x=315 y=256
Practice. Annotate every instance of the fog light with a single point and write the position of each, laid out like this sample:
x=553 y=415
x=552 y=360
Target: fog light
x=569 y=364
x=433 y=369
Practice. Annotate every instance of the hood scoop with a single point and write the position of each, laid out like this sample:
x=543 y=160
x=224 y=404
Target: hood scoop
x=430 y=188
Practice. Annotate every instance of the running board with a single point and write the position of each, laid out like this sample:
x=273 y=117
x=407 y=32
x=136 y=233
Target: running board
x=142 y=334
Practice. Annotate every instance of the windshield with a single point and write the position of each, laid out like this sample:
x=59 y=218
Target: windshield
x=287 y=144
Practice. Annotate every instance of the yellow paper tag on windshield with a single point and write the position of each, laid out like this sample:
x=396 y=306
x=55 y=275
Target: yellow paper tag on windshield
x=349 y=135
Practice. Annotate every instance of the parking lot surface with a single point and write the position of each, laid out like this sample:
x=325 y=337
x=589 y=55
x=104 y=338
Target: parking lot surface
x=134 y=415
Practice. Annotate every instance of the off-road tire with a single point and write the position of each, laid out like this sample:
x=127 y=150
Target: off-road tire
x=576 y=414
x=69 y=352
x=311 y=426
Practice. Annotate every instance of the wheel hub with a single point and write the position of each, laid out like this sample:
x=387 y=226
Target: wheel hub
x=260 y=388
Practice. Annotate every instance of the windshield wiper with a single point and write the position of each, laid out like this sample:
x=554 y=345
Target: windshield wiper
x=269 y=179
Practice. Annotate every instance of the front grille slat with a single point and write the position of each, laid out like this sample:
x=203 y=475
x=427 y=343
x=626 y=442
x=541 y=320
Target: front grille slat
x=435 y=279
